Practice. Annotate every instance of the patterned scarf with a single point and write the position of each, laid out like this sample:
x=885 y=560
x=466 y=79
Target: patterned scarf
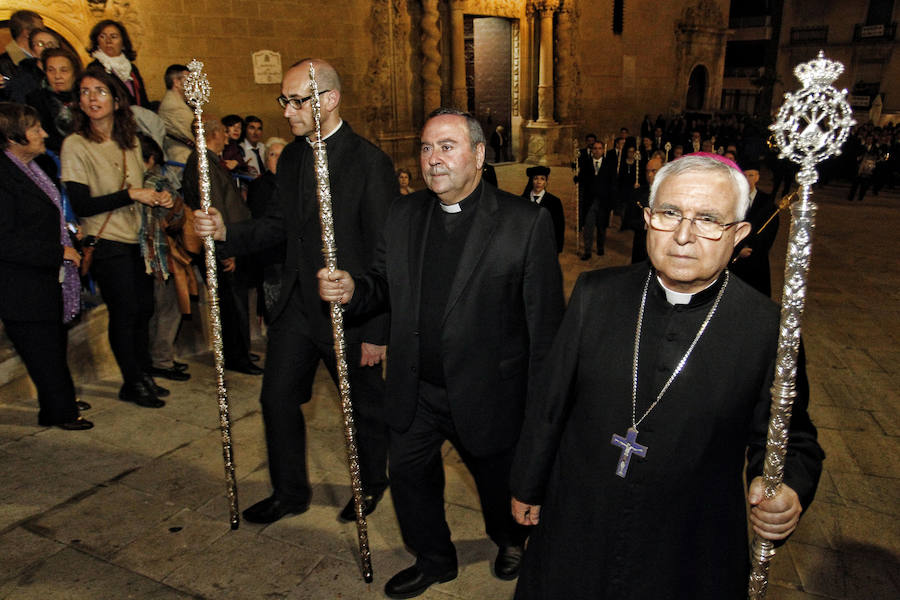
x=71 y=284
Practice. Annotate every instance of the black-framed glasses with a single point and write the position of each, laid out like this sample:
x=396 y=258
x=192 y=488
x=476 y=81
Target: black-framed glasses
x=668 y=219
x=296 y=103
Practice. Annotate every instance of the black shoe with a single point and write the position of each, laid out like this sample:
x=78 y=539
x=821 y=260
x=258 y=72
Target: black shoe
x=244 y=367
x=79 y=424
x=600 y=252
x=179 y=365
x=585 y=256
x=173 y=373
x=271 y=509
x=140 y=394
x=369 y=504
x=411 y=582
x=508 y=561
x=82 y=405
x=160 y=391
x=253 y=356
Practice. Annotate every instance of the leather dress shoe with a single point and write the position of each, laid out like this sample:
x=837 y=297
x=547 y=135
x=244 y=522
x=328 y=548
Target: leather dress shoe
x=244 y=367
x=369 y=504
x=173 y=373
x=82 y=405
x=79 y=424
x=411 y=582
x=508 y=561
x=271 y=509
x=585 y=256
x=160 y=391
x=140 y=394
x=253 y=356
x=179 y=365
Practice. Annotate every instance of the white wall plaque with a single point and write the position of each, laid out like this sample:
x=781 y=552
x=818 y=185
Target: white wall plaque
x=267 y=66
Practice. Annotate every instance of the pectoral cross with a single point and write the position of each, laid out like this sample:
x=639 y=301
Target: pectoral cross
x=629 y=446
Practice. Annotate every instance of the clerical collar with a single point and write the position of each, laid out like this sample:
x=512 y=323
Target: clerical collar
x=463 y=204
x=675 y=298
x=333 y=131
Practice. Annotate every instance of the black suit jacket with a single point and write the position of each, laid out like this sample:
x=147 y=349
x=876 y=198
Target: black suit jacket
x=503 y=309
x=599 y=186
x=754 y=269
x=554 y=206
x=362 y=187
x=31 y=253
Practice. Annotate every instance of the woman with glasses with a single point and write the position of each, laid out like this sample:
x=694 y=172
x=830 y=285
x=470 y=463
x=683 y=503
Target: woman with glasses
x=111 y=48
x=38 y=267
x=103 y=171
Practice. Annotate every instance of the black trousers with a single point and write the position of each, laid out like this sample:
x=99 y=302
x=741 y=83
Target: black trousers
x=597 y=218
x=127 y=291
x=417 y=485
x=234 y=302
x=292 y=357
x=42 y=347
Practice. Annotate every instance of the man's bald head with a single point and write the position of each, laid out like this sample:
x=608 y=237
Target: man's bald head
x=326 y=76
x=296 y=85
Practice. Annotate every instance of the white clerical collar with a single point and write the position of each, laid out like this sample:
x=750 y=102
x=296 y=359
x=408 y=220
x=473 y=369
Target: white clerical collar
x=674 y=298
x=450 y=208
x=333 y=131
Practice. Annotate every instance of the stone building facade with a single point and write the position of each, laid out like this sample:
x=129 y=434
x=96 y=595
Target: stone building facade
x=574 y=65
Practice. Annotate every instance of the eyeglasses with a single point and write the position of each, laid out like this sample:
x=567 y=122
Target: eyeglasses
x=46 y=44
x=706 y=227
x=296 y=103
x=85 y=92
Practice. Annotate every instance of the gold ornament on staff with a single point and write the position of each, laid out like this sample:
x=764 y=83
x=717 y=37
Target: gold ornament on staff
x=668 y=147
x=637 y=168
x=196 y=88
x=811 y=127
x=329 y=252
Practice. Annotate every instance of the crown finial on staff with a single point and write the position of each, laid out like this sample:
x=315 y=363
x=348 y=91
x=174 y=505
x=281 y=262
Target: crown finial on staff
x=196 y=85
x=814 y=123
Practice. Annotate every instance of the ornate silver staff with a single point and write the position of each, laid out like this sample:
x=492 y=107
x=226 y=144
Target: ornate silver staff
x=196 y=88
x=811 y=126
x=329 y=252
x=576 y=167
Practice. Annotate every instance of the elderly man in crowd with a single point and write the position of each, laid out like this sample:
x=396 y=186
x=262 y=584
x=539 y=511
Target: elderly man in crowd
x=472 y=279
x=655 y=390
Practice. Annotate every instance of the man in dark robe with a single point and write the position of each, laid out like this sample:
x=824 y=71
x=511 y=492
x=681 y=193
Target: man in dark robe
x=635 y=436
x=300 y=336
x=537 y=193
x=751 y=256
x=475 y=293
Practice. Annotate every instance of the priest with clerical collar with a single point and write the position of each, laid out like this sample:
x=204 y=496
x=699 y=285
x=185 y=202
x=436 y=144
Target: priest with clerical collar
x=655 y=390
x=475 y=297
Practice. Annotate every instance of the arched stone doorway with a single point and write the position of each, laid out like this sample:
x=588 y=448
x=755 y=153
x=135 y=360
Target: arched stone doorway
x=697 y=87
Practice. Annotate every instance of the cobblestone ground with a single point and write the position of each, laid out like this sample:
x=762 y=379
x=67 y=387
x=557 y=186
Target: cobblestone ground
x=135 y=508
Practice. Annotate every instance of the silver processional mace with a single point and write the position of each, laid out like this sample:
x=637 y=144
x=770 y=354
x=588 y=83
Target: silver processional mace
x=811 y=126
x=197 y=89
x=329 y=253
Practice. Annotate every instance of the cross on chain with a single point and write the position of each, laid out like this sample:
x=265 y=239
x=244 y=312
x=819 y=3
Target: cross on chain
x=629 y=446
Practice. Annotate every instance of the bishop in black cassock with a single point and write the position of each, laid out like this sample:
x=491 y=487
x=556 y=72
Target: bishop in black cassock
x=668 y=518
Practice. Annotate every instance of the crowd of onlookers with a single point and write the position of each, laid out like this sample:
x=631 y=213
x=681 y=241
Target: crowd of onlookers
x=96 y=198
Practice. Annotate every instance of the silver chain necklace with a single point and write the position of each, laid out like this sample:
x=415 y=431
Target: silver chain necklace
x=629 y=444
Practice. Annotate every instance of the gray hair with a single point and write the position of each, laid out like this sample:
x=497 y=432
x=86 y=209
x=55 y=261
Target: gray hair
x=706 y=164
x=476 y=133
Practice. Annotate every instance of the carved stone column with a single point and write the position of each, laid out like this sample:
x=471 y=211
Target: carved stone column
x=458 y=54
x=431 y=56
x=565 y=64
x=546 y=8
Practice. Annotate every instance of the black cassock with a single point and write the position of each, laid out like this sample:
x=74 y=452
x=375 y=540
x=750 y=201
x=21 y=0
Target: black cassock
x=676 y=525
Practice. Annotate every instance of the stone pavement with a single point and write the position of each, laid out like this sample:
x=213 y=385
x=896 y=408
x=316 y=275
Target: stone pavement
x=135 y=508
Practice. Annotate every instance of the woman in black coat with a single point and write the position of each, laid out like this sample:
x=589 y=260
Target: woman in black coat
x=36 y=264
